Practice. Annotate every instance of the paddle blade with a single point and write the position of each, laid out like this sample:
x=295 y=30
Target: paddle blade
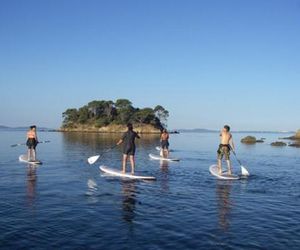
x=244 y=171
x=93 y=159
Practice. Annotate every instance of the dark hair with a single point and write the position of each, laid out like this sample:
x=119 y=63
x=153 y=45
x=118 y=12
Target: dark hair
x=227 y=128
x=129 y=126
x=32 y=127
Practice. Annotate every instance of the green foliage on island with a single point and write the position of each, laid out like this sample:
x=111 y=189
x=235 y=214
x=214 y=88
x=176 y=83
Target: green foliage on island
x=104 y=113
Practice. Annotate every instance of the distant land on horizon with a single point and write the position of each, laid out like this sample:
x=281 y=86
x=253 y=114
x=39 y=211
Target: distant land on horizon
x=23 y=128
x=202 y=130
x=195 y=130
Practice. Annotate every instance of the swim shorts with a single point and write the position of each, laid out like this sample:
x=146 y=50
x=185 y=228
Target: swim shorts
x=223 y=150
x=31 y=143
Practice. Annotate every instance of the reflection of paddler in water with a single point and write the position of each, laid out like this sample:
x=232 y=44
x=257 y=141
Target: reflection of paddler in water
x=129 y=200
x=31 y=183
x=164 y=166
x=224 y=204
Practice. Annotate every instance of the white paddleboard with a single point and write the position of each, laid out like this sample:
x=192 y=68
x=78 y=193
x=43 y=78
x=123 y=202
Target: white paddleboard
x=158 y=148
x=160 y=158
x=213 y=169
x=24 y=158
x=115 y=172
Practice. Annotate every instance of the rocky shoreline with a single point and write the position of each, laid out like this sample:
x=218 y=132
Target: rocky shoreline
x=294 y=137
x=142 y=129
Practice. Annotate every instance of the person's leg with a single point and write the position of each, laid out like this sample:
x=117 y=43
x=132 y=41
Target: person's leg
x=167 y=149
x=229 y=166
x=220 y=166
x=162 y=150
x=166 y=153
x=220 y=156
x=227 y=155
x=28 y=154
x=132 y=162
x=34 y=154
x=124 y=163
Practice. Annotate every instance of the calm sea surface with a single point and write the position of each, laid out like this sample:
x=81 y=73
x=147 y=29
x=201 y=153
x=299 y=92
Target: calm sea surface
x=67 y=204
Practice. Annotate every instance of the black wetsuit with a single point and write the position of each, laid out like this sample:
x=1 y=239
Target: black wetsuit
x=164 y=144
x=129 y=142
x=31 y=143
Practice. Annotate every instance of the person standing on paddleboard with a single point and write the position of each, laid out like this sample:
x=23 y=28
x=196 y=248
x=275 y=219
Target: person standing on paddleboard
x=128 y=141
x=31 y=143
x=224 y=149
x=164 y=143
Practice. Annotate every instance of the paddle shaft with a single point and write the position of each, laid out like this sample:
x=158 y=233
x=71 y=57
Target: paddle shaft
x=22 y=144
x=108 y=150
x=93 y=159
x=237 y=158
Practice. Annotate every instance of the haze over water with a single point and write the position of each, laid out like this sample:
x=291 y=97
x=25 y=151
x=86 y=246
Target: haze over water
x=67 y=204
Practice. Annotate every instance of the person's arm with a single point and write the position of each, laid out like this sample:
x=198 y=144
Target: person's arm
x=36 y=138
x=122 y=139
x=231 y=144
x=120 y=142
x=137 y=135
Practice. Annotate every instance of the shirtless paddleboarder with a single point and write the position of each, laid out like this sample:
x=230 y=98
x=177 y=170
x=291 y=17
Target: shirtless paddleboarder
x=224 y=149
x=31 y=143
x=164 y=143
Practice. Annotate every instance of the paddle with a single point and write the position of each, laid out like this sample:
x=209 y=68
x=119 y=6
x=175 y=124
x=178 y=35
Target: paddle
x=91 y=160
x=22 y=144
x=243 y=169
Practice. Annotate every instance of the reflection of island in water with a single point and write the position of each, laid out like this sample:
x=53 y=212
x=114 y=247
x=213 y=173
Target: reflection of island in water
x=224 y=204
x=31 y=184
x=129 y=199
x=103 y=140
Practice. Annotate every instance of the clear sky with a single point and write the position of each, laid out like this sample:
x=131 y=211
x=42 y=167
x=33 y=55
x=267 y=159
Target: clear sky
x=209 y=62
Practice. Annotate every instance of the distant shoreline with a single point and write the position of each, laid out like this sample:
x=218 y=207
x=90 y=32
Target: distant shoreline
x=143 y=129
x=172 y=131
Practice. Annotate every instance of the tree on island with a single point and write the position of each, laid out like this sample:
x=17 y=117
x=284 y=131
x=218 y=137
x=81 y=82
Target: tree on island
x=103 y=113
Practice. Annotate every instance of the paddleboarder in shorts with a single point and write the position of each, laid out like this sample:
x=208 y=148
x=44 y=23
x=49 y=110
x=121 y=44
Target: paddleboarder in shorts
x=31 y=143
x=224 y=149
x=164 y=143
x=128 y=141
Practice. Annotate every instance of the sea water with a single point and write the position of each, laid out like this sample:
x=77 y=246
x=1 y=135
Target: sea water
x=68 y=204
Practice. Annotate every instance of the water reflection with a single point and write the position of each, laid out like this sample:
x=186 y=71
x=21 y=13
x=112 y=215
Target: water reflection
x=31 y=184
x=223 y=190
x=92 y=190
x=129 y=199
x=103 y=140
x=164 y=166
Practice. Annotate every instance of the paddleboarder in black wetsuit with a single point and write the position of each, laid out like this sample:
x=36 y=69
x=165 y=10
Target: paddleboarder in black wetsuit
x=128 y=141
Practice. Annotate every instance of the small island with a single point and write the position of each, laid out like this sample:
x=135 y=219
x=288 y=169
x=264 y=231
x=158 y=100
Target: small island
x=112 y=117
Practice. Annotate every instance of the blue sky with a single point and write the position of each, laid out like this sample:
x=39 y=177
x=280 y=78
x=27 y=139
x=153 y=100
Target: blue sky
x=207 y=62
